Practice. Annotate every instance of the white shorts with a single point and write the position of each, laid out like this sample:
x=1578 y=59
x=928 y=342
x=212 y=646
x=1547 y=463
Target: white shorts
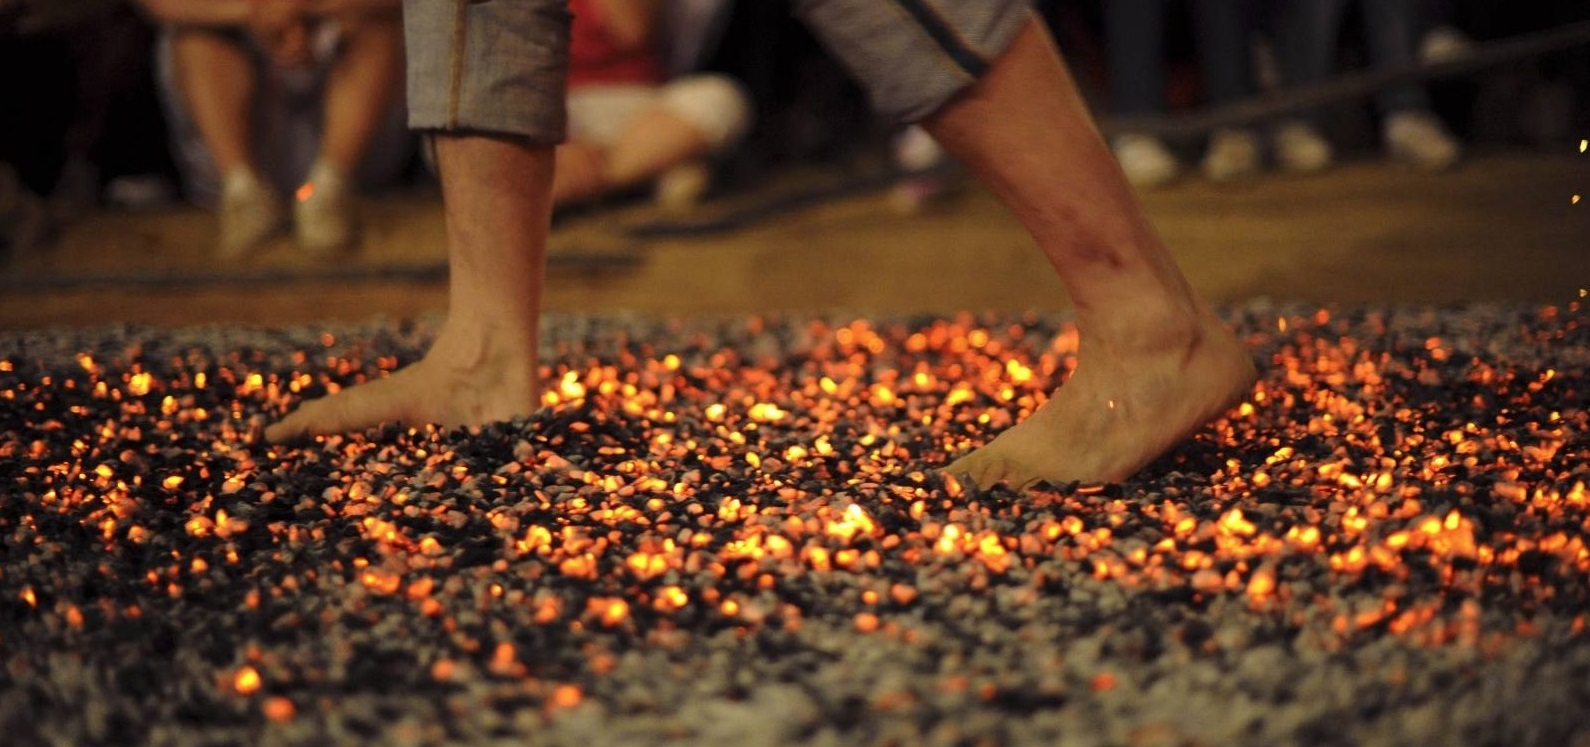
x=715 y=104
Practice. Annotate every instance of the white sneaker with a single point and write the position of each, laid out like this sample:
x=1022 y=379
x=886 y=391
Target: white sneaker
x=681 y=187
x=1232 y=155
x=323 y=212
x=1145 y=160
x=251 y=212
x=1300 y=149
x=1444 y=44
x=1420 y=140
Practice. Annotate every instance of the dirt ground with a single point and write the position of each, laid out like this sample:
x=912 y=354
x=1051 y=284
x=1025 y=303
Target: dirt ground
x=1502 y=227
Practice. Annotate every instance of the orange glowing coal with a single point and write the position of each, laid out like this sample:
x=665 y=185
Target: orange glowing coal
x=246 y=681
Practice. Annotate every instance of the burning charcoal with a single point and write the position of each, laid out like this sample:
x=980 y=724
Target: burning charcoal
x=732 y=533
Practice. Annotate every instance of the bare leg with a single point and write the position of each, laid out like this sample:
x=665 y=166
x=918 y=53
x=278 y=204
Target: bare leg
x=579 y=173
x=654 y=141
x=360 y=88
x=483 y=366
x=218 y=84
x=1155 y=364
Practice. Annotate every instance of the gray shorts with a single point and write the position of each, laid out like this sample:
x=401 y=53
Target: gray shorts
x=499 y=66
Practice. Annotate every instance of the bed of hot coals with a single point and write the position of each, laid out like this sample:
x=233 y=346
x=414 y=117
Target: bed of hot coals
x=733 y=533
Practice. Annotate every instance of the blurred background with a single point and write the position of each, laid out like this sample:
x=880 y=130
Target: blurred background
x=171 y=162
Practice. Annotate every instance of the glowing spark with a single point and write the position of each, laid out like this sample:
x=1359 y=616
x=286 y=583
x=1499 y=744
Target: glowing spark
x=246 y=681
x=279 y=709
x=305 y=191
x=614 y=612
x=138 y=386
x=566 y=696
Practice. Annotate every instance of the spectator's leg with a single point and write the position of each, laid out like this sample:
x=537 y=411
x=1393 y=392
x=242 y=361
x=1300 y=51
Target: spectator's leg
x=1224 y=44
x=1305 y=36
x=361 y=88
x=1411 y=131
x=218 y=83
x=1389 y=31
x=692 y=117
x=579 y=176
x=1225 y=41
x=1135 y=43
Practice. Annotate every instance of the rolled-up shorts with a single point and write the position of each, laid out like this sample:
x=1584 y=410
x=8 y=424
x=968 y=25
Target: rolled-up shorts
x=500 y=66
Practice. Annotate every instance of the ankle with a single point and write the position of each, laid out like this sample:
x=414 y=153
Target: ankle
x=467 y=348
x=1143 y=328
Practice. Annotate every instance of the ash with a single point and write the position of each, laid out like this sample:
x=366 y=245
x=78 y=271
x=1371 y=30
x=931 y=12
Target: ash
x=733 y=532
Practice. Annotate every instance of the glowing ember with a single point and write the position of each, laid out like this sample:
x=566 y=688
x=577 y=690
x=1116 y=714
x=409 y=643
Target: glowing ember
x=246 y=681
x=279 y=709
x=1401 y=500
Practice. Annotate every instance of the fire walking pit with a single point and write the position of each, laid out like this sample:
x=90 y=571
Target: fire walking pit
x=733 y=533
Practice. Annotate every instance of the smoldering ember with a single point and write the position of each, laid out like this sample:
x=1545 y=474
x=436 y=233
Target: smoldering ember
x=734 y=533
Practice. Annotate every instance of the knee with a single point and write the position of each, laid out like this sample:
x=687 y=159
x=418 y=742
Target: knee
x=715 y=104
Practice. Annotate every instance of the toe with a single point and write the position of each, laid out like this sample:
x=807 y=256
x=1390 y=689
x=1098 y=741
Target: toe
x=973 y=470
x=353 y=410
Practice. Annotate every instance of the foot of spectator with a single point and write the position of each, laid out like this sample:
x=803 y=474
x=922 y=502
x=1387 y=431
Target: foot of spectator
x=1233 y=155
x=323 y=212
x=1146 y=160
x=1300 y=149
x=1418 y=139
x=251 y=213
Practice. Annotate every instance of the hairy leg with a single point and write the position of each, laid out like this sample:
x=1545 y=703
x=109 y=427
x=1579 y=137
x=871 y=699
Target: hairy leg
x=1155 y=364
x=483 y=365
x=218 y=84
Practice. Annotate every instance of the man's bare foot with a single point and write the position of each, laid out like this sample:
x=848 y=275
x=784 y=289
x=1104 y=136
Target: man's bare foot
x=1124 y=406
x=455 y=384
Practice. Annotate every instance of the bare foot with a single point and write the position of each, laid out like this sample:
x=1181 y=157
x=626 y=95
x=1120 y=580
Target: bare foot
x=455 y=384
x=1124 y=406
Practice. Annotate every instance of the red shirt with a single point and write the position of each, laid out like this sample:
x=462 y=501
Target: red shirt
x=596 y=59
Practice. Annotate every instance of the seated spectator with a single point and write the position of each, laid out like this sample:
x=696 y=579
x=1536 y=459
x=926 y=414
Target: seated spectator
x=628 y=125
x=274 y=97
